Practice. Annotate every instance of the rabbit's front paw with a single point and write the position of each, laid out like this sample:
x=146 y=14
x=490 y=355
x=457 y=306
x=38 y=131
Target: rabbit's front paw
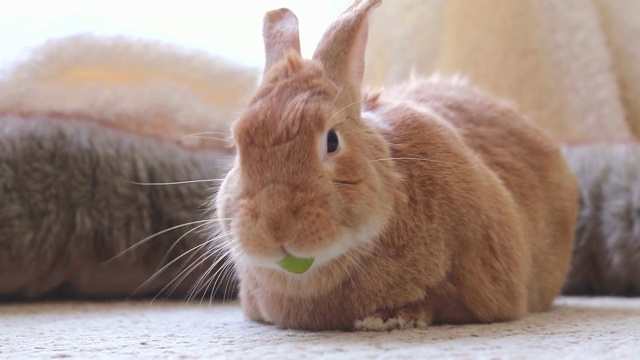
x=412 y=316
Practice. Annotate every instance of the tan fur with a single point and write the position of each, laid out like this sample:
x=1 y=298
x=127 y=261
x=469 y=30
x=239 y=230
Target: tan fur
x=442 y=205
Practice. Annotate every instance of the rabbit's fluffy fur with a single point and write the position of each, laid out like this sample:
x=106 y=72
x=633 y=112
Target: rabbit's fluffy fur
x=440 y=205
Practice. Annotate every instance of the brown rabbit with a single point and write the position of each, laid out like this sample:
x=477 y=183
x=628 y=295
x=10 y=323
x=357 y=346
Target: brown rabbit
x=427 y=203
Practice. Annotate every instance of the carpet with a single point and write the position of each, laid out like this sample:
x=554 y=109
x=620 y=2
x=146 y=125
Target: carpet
x=576 y=328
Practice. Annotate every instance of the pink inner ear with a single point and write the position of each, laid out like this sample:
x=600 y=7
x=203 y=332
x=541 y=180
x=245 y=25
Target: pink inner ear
x=356 y=65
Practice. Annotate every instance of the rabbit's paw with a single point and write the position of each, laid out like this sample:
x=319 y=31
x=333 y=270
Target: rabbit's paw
x=406 y=317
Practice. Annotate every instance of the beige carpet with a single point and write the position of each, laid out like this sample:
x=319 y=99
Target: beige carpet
x=577 y=328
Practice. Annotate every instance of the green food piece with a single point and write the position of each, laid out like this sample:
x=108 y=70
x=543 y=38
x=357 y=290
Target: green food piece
x=294 y=264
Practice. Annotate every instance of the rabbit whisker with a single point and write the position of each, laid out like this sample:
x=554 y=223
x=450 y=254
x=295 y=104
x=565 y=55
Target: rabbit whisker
x=213 y=250
x=335 y=99
x=231 y=281
x=187 y=269
x=207 y=135
x=148 y=238
x=208 y=254
x=201 y=284
x=337 y=112
x=423 y=159
x=184 y=272
x=219 y=276
x=198 y=286
x=191 y=252
x=174 y=182
x=175 y=243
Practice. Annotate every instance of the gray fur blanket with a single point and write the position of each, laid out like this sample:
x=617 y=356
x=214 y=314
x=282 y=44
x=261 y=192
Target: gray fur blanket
x=73 y=205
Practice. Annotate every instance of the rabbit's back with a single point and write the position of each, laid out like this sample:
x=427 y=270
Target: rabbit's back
x=529 y=164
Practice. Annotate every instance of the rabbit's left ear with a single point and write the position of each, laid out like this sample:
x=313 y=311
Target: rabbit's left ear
x=341 y=49
x=280 y=33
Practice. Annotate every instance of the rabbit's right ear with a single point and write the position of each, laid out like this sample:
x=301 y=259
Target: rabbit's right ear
x=342 y=47
x=280 y=33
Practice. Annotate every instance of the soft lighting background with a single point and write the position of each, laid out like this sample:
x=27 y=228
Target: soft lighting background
x=231 y=28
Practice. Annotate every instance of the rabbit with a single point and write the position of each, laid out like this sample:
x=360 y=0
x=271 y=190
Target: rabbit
x=427 y=203
x=606 y=258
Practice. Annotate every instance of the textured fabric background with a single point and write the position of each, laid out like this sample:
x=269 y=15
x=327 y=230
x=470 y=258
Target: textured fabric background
x=572 y=66
x=598 y=328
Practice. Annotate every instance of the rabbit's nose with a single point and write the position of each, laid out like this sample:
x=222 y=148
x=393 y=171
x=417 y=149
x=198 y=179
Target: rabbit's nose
x=276 y=231
x=277 y=207
x=279 y=225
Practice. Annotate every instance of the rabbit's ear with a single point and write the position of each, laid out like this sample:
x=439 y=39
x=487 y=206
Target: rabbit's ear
x=280 y=33
x=341 y=49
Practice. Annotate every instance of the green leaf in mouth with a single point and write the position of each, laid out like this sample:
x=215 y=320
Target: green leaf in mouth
x=294 y=264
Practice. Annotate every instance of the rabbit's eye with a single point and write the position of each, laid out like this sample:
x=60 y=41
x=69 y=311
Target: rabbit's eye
x=332 y=141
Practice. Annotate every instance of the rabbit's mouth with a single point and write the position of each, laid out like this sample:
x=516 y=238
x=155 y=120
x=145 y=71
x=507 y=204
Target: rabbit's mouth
x=297 y=258
x=291 y=260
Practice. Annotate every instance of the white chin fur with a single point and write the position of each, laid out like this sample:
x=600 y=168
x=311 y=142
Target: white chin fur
x=257 y=261
x=351 y=240
x=362 y=237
